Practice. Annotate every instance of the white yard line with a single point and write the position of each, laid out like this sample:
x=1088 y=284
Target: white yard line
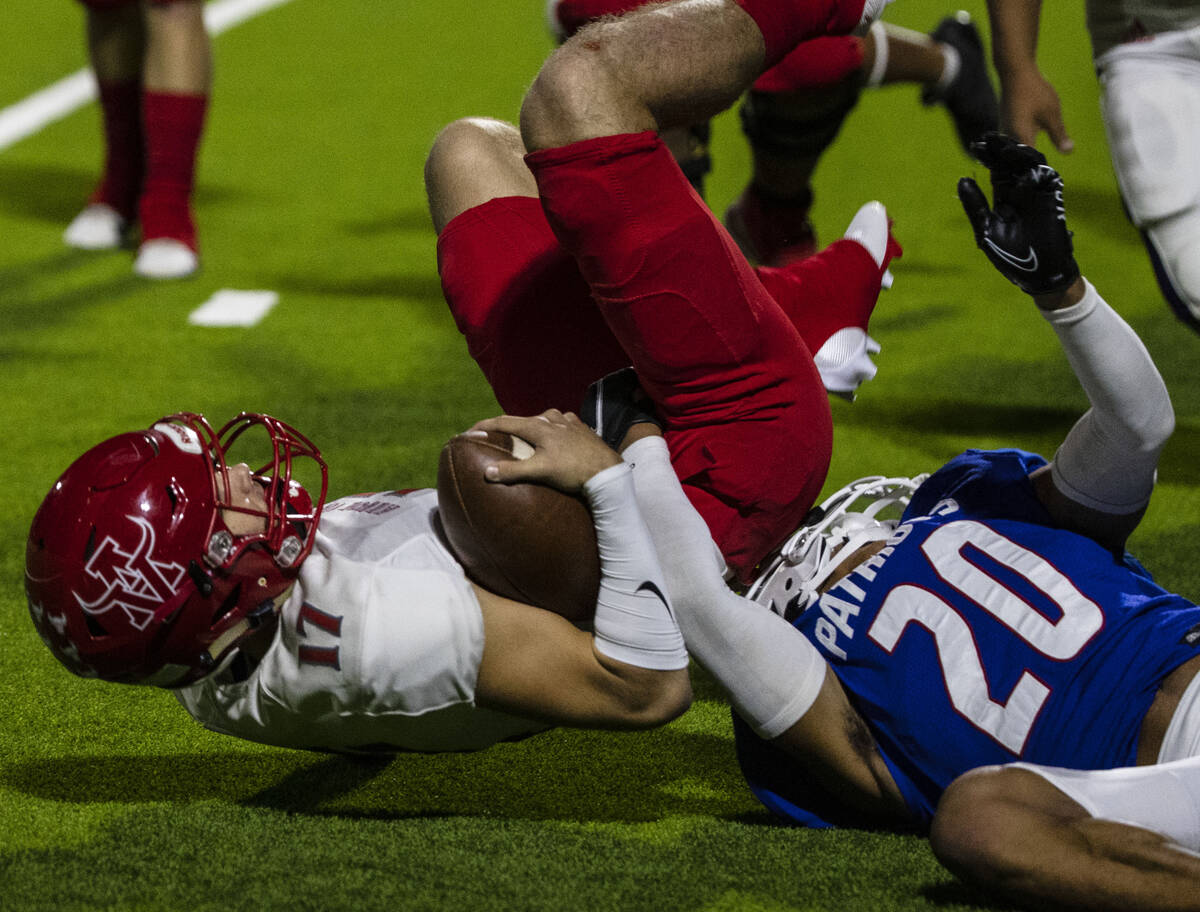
x=229 y=307
x=42 y=108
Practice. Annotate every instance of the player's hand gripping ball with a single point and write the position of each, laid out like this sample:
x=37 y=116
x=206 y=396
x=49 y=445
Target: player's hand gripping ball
x=527 y=542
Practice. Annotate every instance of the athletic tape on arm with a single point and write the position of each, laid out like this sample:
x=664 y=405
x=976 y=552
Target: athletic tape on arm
x=633 y=622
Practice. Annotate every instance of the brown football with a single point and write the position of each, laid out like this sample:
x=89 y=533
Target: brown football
x=527 y=542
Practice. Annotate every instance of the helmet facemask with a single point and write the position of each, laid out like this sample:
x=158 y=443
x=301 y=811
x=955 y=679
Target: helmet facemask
x=289 y=515
x=864 y=511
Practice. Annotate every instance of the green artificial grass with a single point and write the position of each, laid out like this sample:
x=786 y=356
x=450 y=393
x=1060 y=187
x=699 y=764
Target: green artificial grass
x=310 y=185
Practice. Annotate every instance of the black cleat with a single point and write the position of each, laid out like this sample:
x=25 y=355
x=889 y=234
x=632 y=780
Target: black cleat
x=970 y=99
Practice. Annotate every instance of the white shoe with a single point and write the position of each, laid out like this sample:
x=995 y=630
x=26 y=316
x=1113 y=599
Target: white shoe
x=872 y=10
x=165 y=258
x=98 y=227
x=869 y=227
x=844 y=361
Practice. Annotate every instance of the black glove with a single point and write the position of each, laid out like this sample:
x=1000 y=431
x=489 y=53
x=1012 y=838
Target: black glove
x=1025 y=235
x=614 y=404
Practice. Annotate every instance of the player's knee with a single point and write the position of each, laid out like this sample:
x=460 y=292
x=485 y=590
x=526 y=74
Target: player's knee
x=471 y=161
x=572 y=85
x=472 y=144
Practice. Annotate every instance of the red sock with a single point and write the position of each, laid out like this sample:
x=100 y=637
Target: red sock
x=833 y=289
x=121 y=111
x=785 y=23
x=173 y=125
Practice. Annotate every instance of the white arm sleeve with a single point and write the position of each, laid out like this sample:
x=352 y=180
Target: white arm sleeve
x=1108 y=459
x=770 y=671
x=633 y=623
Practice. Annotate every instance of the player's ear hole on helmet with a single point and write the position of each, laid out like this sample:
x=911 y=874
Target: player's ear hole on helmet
x=94 y=626
x=202 y=580
x=173 y=496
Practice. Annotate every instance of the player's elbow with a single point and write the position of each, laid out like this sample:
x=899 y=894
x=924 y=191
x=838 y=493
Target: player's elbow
x=658 y=699
x=972 y=833
x=1148 y=430
x=1158 y=425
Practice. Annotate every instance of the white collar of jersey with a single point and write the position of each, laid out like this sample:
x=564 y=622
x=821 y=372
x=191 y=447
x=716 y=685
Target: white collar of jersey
x=831 y=532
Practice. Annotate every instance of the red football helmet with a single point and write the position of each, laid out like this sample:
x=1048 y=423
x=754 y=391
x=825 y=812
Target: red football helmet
x=130 y=570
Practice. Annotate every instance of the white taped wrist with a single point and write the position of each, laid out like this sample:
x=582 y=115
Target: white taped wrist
x=633 y=622
x=770 y=671
x=879 y=66
x=1107 y=461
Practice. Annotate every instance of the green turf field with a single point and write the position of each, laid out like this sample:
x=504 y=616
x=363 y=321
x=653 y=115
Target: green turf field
x=310 y=185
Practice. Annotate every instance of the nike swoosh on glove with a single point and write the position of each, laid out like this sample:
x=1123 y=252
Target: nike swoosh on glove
x=1024 y=233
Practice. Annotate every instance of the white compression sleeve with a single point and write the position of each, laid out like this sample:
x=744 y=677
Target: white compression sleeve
x=1164 y=797
x=1109 y=457
x=770 y=671
x=633 y=621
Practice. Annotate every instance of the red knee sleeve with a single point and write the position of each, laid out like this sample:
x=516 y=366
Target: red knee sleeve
x=785 y=23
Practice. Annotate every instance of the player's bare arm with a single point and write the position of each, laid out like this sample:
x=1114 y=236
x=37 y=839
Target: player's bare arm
x=1046 y=836
x=776 y=680
x=535 y=663
x=1029 y=103
x=1012 y=830
x=1103 y=473
x=837 y=751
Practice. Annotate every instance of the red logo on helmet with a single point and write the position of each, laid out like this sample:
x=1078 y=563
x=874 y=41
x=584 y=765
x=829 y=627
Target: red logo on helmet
x=134 y=581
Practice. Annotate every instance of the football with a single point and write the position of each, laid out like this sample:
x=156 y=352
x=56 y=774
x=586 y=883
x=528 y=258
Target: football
x=527 y=542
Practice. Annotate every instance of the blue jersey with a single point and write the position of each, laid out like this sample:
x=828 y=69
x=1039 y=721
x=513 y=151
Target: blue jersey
x=983 y=634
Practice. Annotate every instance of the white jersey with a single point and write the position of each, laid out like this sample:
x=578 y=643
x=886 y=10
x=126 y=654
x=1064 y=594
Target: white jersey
x=1114 y=22
x=377 y=648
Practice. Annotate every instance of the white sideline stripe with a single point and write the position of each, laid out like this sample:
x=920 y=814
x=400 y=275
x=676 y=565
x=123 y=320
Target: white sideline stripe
x=21 y=120
x=230 y=307
x=45 y=107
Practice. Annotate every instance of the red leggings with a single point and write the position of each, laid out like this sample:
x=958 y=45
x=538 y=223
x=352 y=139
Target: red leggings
x=622 y=263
